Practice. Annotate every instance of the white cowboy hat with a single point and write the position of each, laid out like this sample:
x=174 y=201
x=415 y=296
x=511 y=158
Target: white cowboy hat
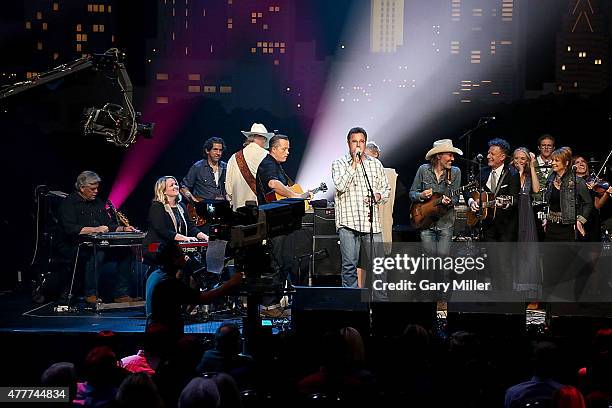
x=442 y=146
x=259 y=130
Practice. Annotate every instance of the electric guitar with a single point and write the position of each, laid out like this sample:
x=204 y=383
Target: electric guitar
x=296 y=188
x=488 y=206
x=424 y=214
x=191 y=210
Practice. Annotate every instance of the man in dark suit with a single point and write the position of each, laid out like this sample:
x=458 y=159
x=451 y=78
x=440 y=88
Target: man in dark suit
x=501 y=179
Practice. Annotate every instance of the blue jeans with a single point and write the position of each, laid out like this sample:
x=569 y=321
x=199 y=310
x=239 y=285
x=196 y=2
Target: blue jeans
x=351 y=243
x=437 y=241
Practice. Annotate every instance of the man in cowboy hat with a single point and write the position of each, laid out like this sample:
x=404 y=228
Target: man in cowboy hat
x=438 y=176
x=240 y=185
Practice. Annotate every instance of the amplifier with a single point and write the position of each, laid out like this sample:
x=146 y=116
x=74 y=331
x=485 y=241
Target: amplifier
x=327 y=255
x=325 y=221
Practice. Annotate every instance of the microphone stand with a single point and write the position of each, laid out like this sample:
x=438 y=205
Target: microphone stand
x=575 y=178
x=371 y=201
x=480 y=192
x=468 y=136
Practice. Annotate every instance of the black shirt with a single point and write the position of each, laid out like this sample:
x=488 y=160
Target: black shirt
x=165 y=297
x=75 y=212
x=161 y=227
x=555 y=199
x=269 y=169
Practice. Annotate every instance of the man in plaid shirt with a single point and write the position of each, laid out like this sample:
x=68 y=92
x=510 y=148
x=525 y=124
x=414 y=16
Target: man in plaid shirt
x=352 y=198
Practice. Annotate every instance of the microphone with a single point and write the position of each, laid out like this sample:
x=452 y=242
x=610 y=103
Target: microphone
x=358 y=153
x=479 y=157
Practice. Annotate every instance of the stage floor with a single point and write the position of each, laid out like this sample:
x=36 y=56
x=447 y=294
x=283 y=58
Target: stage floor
x=21 y=315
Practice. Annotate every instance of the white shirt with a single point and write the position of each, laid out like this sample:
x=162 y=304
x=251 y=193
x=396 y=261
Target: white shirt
x=351 y=191
x=544 y=170
x=236 y=187
x=498 y=172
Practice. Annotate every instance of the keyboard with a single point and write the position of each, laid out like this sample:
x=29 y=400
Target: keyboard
x=114 y=238
x=195 y=246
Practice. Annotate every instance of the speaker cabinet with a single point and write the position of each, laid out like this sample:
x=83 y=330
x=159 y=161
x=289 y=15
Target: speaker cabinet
x=327 y=258
x=317 y=310
x=488 y=318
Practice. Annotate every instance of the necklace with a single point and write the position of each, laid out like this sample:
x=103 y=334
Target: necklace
x=557 y=182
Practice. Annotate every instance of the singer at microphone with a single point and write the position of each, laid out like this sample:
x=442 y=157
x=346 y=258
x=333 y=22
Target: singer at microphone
x=357 y=177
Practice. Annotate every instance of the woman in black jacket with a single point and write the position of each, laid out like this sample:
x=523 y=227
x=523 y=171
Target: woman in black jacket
x=167 y=218
x=570 y=203
x=567 y=265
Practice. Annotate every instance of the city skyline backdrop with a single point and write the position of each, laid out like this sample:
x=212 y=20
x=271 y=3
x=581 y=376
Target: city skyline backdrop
x=410 y=72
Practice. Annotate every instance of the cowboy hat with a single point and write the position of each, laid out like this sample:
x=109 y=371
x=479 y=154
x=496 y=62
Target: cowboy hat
x=442 y=146
x=258 y=129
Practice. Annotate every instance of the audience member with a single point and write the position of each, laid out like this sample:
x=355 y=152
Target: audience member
x=103 y=375
x=541 y=386
x=138 y=391
x=228 y=391
x=157 y=341
x=567 y=397
x=225 y=357
x=200 y=393
x=61 y=374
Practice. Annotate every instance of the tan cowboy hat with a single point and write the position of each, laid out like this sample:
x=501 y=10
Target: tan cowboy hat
x=442 y=146
x=259 y=130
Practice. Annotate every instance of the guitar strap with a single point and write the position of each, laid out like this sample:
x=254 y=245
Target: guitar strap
x=289 y=181
x=246 y=173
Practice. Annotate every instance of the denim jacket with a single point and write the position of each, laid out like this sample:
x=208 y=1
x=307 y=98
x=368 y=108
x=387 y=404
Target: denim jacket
x=425 y=178
x=569 y=206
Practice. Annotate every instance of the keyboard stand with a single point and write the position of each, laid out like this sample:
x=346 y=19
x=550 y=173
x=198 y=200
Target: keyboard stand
x=106 y=244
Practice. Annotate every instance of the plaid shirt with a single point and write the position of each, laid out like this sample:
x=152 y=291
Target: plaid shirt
x=352 y=190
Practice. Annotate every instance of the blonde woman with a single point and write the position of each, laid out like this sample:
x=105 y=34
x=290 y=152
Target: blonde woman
x=522 y=160
x=167 y=218
x=527 y=274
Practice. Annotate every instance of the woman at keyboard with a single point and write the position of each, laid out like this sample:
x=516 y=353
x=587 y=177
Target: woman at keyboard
x=167 y=218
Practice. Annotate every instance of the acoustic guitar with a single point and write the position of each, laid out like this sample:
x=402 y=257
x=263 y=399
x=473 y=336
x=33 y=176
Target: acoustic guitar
x=488 y=206
x=296 y=188
x=424 y=214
